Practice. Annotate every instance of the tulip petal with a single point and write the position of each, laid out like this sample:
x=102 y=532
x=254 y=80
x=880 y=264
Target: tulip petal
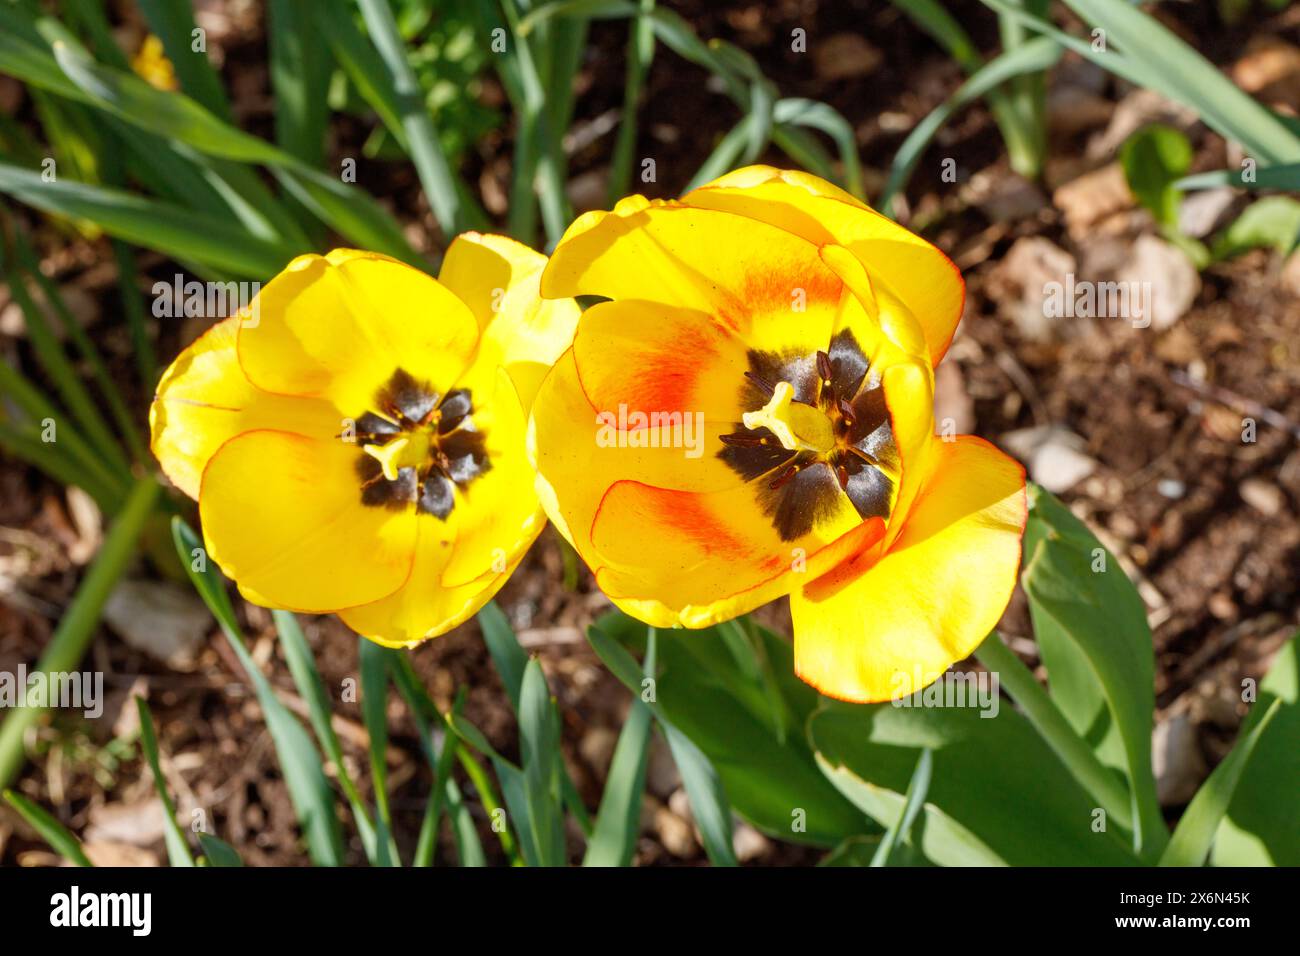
x=497 y=514
x=203 y=400
x=498 y=279
x=282 y=515
x=766 y=285
x=339 y=326
x=885 y=626
x=685 y=549
x=423 y=609
x=917 y=273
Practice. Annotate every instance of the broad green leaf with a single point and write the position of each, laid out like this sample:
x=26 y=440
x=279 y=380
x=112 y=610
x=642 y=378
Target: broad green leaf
x=1195 y=833
x=309 y=789
x=1154 y=158
x=1262 y=827
x=997 y=794
x=1271 y=222
x=218 y=852
x=1091 y=626
x=59 y=837
x=771 y=780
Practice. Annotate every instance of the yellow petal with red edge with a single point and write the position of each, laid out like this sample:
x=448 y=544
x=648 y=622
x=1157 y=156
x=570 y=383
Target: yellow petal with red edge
x=764 y=284
x=424 y=608
x=498 y=279
x=689 y=550
x=577 y=456
x=876 y=629
x=338 y=326
x=282 y=516
x=921 y=276
x=203 y=400
x=652 y=358
x=497 y=515
x=734 y=602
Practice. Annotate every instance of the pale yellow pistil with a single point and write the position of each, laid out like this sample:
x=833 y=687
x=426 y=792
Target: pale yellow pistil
x=407 y=450
x=797 y=426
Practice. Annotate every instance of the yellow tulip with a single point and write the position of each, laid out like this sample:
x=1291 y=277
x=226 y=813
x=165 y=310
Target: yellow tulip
x=356 y=437
x=800 y=329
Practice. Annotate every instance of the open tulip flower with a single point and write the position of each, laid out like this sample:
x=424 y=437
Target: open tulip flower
x=800 y=330
x=356 y=438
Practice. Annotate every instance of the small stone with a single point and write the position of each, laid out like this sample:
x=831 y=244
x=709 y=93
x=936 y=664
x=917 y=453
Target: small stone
x=843 y=56
x=1176 y=761
x=674 y=833
x=1088 y=199
x=1263 y=496
x=1168 y=281
x=750 y=844
x=1171 y=488
x=1201 y=213
x=165 y=621
x=1053 y=455
x=1021 y=280
x=597 y=748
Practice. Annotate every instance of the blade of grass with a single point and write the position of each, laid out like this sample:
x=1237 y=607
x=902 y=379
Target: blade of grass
x=1199 y=825
x=1150 y=55
x=827 y=119
x=166 y=228
x=300 y=73
x=915 y=800
x=426 y=151
x=640 y=51
x=126 y=424
x=173 y=22
x=75 y=396
x=511 y=661
x=107 y=486
x=1034 y=56
x=306 y=677
x=374 y=663
x=539 y=744
x=72 y=637
x=613 y=838
x=53 y=832
x=146 y=360
x=178 y=848
x=309 y=789
x=704 y=790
